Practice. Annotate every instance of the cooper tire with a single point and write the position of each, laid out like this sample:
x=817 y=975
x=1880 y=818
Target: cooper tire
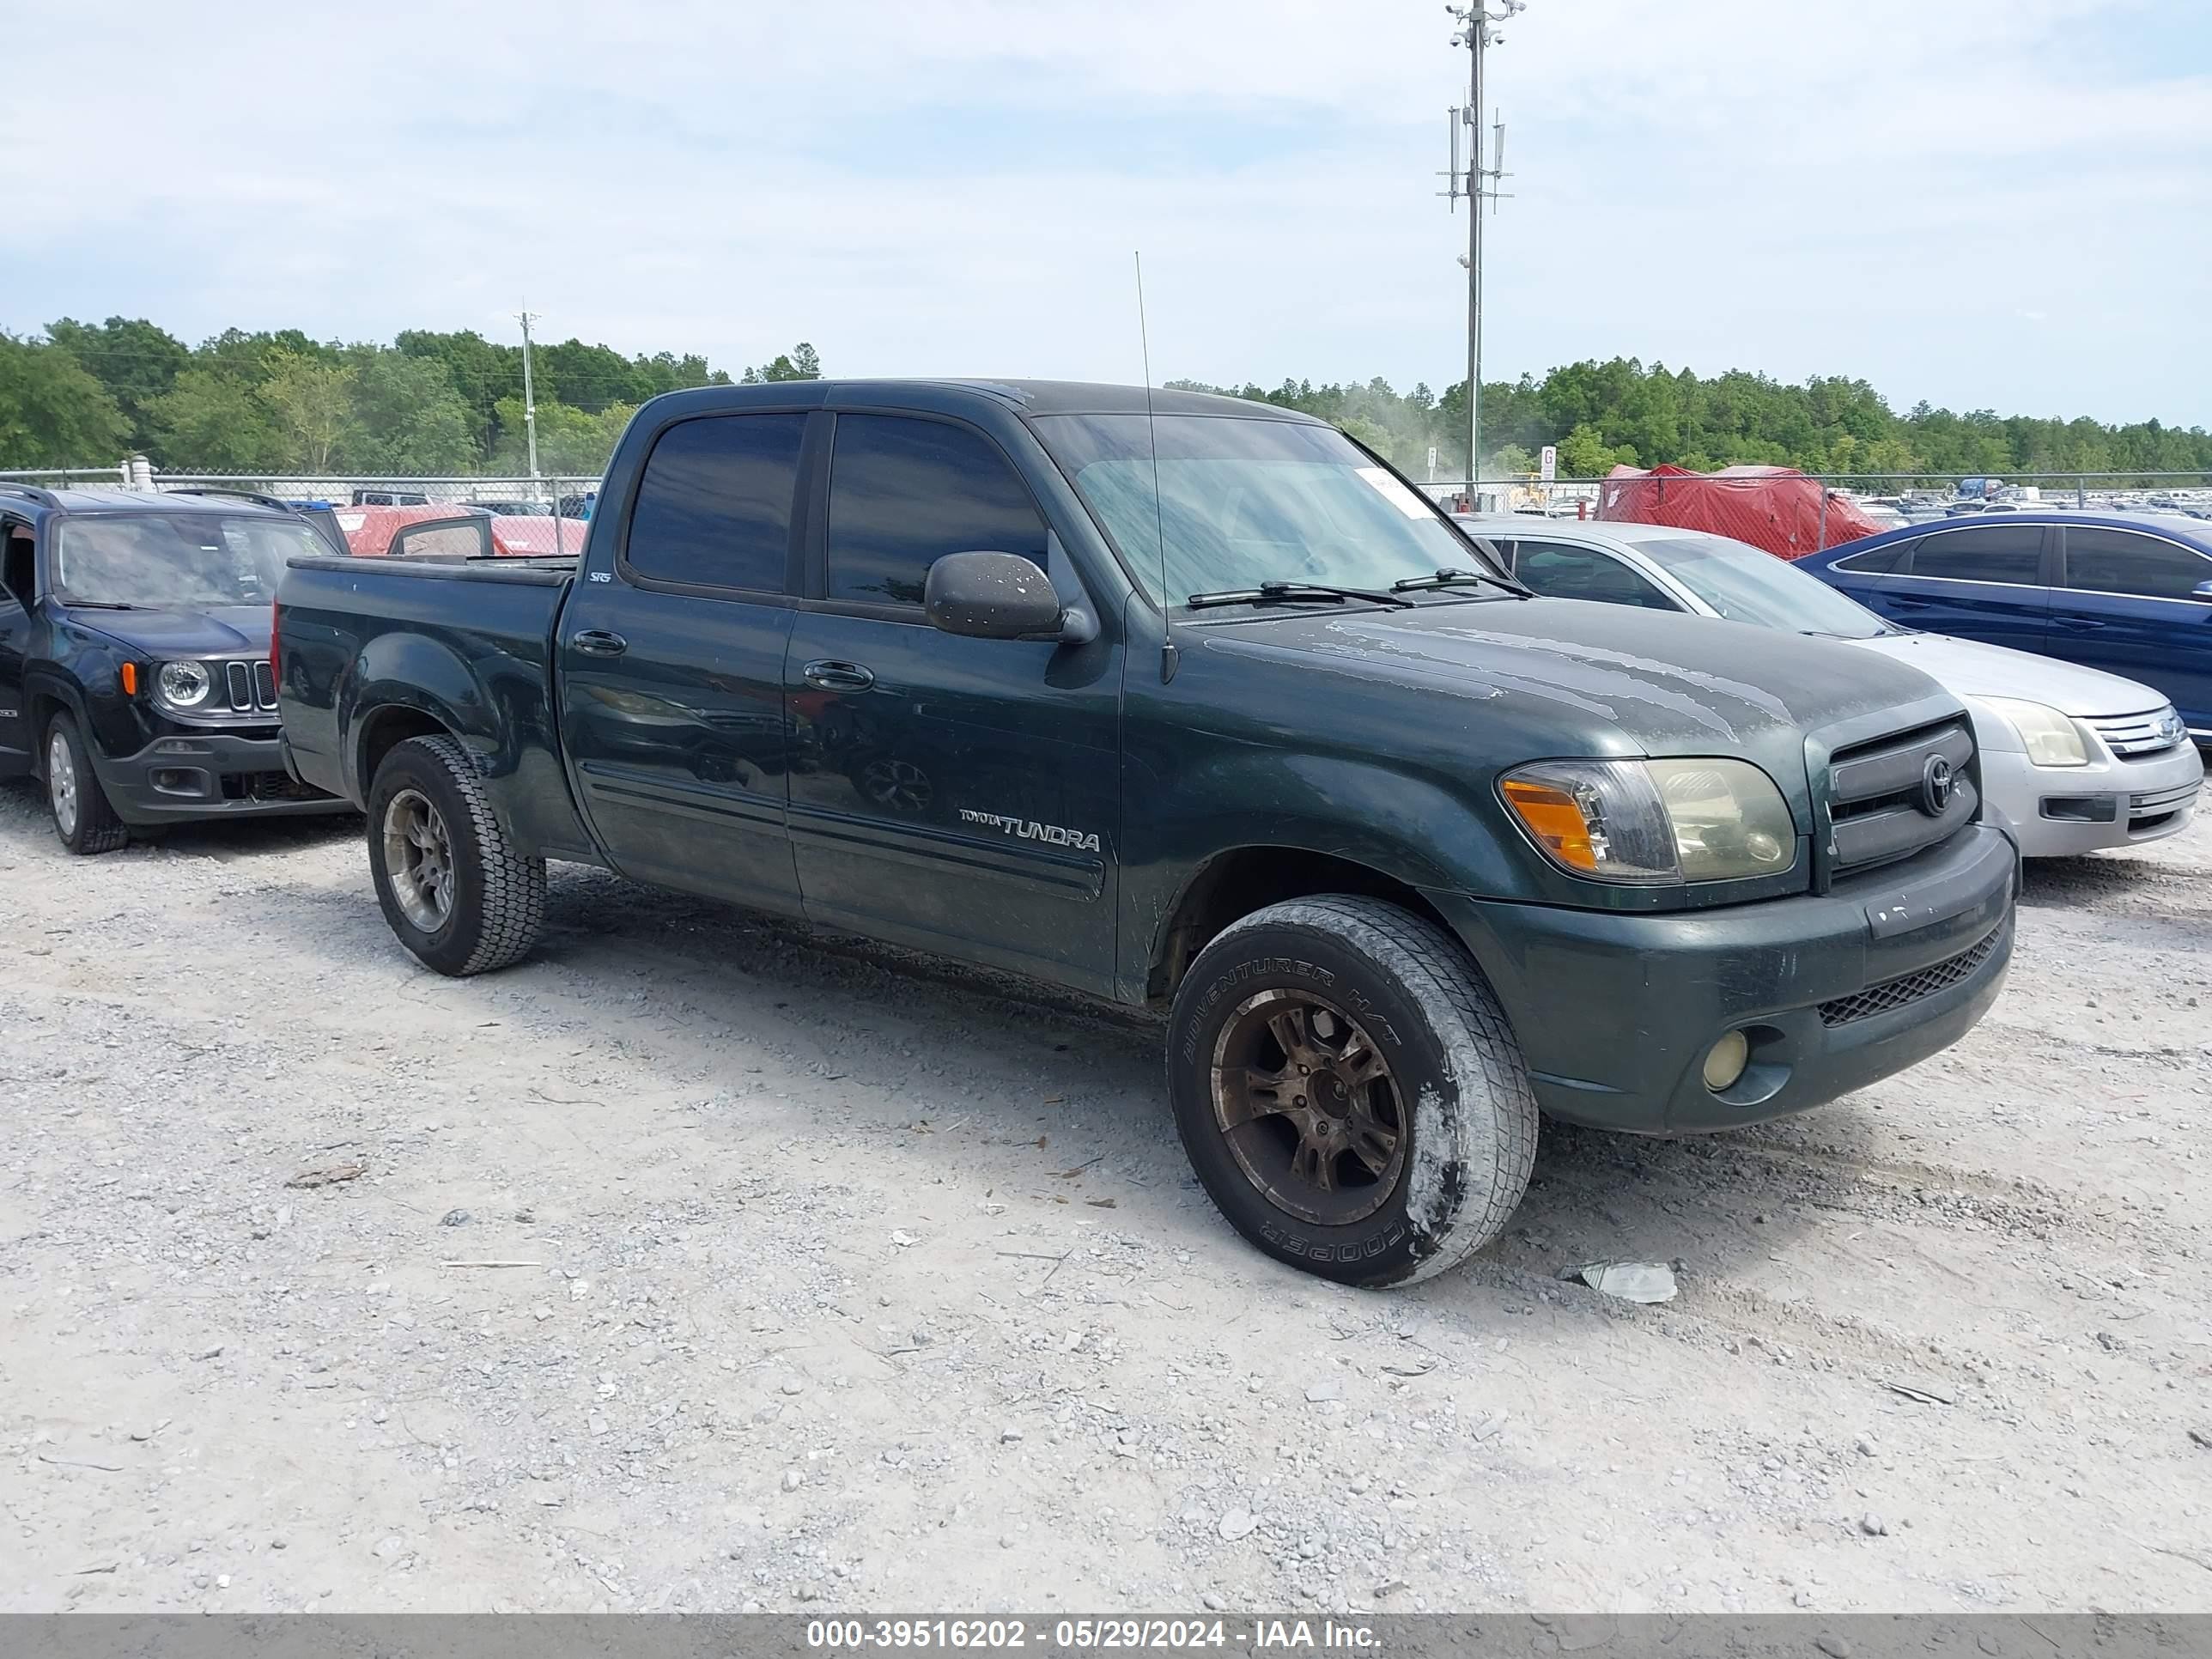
x=451 y=886
x=84 y=819
x=1410 y=1179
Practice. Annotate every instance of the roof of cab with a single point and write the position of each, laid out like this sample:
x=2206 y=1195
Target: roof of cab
x=1027 y=397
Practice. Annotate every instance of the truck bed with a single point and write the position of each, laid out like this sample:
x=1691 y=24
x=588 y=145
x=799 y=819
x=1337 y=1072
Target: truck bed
x=372 y=651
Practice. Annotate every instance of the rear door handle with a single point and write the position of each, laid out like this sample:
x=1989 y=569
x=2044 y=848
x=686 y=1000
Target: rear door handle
x=2076 y=625
x=597 y=642
x=828 y=674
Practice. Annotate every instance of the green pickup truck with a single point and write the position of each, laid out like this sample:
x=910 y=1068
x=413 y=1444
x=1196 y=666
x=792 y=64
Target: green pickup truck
x=1187 y=703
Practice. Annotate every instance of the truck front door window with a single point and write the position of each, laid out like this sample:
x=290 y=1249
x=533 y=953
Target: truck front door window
x=713 y=509
x=903 y=493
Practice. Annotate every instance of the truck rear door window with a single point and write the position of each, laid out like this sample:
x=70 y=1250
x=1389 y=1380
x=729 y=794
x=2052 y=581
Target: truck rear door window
x=713 y=509
x=904 y=493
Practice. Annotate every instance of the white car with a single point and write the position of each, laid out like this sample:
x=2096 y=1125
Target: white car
x=2074 y=760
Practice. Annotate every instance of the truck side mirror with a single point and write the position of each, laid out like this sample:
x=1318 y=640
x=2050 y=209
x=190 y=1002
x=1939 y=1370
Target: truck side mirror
x=992 y=596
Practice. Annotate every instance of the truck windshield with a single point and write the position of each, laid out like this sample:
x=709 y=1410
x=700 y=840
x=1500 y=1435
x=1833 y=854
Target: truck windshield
x=1248 y=501
x=1747 y=584
x=177 y=561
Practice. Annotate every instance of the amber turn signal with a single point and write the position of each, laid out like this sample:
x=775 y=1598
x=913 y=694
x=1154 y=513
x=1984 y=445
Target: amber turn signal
x=130 y=679
x=1555 y=818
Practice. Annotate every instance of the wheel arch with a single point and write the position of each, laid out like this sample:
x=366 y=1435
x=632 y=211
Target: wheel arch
x=385 y=728
x=1234 y=882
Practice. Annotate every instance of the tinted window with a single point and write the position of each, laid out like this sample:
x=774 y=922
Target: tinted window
x=904 y=493
x=1580 y=572
x=713 y=509
x=2121 y=562
x=1997 y=553
x=1876 y=561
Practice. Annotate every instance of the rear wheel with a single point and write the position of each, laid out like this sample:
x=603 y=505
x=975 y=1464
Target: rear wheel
x=451 y=886
x=1349 y=1091
x=84 y=818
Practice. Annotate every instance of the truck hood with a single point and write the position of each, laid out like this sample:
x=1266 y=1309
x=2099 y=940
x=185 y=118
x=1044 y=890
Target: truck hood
x=232 y=631
x=1670 y=684
x=1967 y=668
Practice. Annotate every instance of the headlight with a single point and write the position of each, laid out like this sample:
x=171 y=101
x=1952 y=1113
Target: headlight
x=1653 y=821
x=184 y=683
x=2050 y=738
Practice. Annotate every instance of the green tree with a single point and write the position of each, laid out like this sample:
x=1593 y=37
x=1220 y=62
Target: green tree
x=212 y=421
x=408 y=418
x=310 y=401
x=799 y=363
x=1508 y=462
x=52 y=411
x=1584 y=455
x=574 y=443
x=1372 y=433
x=135 y=361
x=481 y=371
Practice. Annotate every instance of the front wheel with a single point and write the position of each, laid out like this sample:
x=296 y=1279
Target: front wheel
x=84 y=818
x=1349 y=1091
x=454 y=888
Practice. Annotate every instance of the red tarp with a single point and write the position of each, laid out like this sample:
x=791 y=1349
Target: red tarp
x=1771 y=506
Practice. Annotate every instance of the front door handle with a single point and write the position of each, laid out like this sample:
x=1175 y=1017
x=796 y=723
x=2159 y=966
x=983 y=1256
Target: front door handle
x=597 y=642
x=828 y=674
x=2075 y=624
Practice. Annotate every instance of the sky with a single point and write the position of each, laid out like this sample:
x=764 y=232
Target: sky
x=1984 y=203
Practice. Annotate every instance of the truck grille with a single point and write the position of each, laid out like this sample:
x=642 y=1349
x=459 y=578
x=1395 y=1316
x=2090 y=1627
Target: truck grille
x=1892 y=796
x=1894 y=993
x=250 y=687
x=2138 y=736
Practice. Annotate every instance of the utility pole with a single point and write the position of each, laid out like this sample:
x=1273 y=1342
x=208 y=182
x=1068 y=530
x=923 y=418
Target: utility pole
x=529 y=395
x=1478 y=35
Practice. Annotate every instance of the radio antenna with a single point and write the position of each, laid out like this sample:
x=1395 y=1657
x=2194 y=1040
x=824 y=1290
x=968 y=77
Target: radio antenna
x=1159 y=516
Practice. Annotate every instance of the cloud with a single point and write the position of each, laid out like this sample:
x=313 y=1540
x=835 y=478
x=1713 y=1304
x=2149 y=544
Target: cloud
x=940 y=186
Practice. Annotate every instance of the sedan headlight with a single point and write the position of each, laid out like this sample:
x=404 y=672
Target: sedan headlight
x=2050 y=736
x=1655 y=821
x=185 y=684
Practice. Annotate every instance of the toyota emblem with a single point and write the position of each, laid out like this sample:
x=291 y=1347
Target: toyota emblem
x=1936 y=783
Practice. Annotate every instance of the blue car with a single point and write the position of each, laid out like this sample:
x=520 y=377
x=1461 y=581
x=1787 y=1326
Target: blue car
x=2130 y=594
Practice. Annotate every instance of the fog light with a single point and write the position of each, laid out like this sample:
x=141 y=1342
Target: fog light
x=1725 y=1060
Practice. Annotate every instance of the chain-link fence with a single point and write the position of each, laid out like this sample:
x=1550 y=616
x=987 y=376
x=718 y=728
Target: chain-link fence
x=526 y=516
x=1836 y=508
x=1795 y=513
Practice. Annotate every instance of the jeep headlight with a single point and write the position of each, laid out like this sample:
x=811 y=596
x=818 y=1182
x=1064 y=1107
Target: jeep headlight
x=185 y=684
x=2050 y=736
x=1655 y=821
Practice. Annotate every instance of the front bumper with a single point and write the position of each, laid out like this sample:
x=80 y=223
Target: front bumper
x=184 y=776
x=1615 y=1012
x=2058 y=811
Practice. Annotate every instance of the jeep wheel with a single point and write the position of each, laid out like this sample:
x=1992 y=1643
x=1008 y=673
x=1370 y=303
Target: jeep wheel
x=1349 y=1091
x=453 y=887
x=84 y=818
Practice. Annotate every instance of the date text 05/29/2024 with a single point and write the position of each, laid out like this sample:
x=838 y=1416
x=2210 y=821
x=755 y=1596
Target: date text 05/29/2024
x=1089 y=1635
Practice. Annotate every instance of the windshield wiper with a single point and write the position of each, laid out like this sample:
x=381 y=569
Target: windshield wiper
x=103 y=604
x=1292 y=593
x=1458 y=578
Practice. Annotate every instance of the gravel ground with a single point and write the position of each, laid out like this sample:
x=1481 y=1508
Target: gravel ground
x=702 y=1263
